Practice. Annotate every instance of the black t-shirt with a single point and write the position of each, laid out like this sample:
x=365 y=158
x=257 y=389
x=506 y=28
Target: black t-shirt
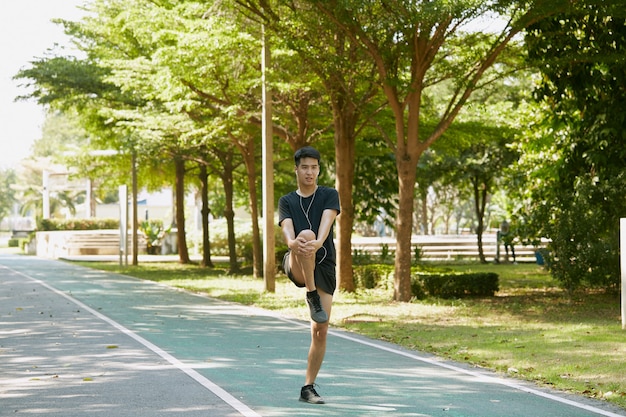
x=306 y=213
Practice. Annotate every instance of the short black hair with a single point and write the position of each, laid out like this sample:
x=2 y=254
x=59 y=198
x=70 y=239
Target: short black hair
x=306 y=152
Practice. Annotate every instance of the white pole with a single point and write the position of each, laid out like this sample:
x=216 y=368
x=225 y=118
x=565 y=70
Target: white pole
x=88 y=199
x=269 y=263
x=46 y=194
x=123 y=196
x=622 y=245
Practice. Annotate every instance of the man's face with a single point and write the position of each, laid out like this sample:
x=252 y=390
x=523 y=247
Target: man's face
x=307 y=171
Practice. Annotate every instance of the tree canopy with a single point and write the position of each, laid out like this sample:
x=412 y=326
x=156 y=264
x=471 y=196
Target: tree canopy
x=176 y=87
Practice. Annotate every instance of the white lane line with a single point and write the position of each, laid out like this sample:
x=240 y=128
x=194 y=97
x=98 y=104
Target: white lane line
x=243 y=409
x=482 y=377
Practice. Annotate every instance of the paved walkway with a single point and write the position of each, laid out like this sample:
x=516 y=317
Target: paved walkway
x=78 y=342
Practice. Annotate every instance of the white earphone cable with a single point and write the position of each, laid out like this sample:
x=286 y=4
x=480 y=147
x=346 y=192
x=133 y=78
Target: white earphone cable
x=306 y=215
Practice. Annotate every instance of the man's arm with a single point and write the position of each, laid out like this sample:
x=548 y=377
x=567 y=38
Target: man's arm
x=289 y=233
x=328 y=217
x=298 y=245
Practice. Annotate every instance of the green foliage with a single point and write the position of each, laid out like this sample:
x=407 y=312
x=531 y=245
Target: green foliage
x=375 y=167
x=14 y=243
x=418 y=253
x=482 y=284
x=576 y=200
x=362 y=257
x=218 y=236
x=7 y=192
x=366 y=276
x=584 y=234
x=417 y=288
x=154 y=231
x=281 y=251
x=386 y=255
x=47 y=225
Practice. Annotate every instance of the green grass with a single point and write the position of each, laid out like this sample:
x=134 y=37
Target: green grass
x=530 y=330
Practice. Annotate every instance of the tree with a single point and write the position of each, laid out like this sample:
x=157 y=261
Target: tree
x=376 y=192
x=581 y=55
x=482 y=164
x=79 y=86
x=415 y=45
x=8 y=178
x=345 y=75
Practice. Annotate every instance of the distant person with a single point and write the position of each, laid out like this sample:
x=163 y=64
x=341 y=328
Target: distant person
x=306 y=217
x=505 y=236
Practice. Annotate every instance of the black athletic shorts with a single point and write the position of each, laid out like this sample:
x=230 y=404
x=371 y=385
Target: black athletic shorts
x=325 y=275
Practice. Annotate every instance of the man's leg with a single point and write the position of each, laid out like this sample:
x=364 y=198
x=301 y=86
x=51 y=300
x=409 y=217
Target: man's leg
x=319 y=333
x=303 y=270
x=303 y=267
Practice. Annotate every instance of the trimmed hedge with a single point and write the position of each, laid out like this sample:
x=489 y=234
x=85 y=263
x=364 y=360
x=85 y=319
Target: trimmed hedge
x=483 y=284
x=49 y=225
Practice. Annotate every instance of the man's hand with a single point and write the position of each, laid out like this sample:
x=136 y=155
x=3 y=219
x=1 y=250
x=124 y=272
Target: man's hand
x=303 y=247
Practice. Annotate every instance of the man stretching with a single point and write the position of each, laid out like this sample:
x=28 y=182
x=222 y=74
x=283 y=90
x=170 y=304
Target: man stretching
x=306 y=217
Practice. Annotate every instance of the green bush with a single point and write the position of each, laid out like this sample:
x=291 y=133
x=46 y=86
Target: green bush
x=417 y=288
x=366 y=276
x=48 y=225
x=372 y=276
x=386 y=255
x=218 y=235
x=418 y=253
x=456 y=285
x=14 y=243
x=361 y=257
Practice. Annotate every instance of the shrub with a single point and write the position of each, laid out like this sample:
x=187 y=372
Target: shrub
x=456 y=285
x=154 y=232
x=373 y=276
x=386 y=255
x=417 y=288
x=361 y=257
x=418 y=253
x=14 y=243
x=366 y=276
x=48 y=225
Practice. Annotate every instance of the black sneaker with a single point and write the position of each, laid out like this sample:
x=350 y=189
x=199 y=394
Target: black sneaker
x=315 y=306
x=309 y=395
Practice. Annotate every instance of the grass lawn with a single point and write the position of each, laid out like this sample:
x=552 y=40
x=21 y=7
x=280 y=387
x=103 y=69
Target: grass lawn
x=530 y=329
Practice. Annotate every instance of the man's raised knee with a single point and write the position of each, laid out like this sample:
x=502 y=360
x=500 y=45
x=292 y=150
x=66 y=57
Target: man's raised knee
x=307 y=234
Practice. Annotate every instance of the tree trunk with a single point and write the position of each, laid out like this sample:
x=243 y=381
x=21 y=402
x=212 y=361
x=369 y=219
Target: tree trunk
x=407 y=171
x=344 y=178
x=257 y=250
x=183 y=252
x=229 y=212
x=480 y=203
x=204 y=212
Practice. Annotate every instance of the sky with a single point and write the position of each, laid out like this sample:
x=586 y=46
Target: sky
x=26 y=33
